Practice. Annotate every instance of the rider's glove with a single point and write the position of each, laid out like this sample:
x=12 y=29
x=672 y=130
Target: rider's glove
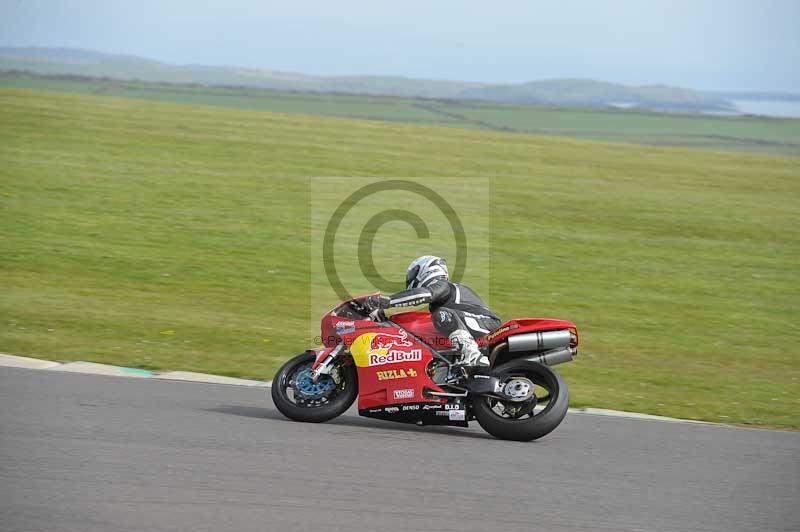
x=376 y=304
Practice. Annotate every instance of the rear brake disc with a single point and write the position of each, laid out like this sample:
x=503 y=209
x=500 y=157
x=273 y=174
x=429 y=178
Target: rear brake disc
x=518 y=389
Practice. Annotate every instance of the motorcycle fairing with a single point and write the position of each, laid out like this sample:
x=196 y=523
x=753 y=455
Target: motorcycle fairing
x=525 y=325
x=392 y=367
x=421 y=325
x=453 y=414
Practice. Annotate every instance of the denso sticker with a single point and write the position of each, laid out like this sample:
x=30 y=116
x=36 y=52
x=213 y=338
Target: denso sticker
x=410 y=407
x=404 y=394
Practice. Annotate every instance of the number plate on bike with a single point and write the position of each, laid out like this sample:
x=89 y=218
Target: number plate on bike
x=457 y=415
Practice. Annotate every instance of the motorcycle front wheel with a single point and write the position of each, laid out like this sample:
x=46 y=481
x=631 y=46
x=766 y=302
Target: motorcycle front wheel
x=528 y=420
x=299 y=398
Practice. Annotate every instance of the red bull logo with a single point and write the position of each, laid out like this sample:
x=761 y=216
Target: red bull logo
x=376 y=349
x=388 y=341
x=394 y=356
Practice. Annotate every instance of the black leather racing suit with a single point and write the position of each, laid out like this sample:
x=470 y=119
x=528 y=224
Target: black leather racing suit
x=453 y=306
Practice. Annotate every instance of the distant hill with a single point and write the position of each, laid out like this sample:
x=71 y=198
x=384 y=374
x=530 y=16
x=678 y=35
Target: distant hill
x=568 y=92
x=94 y=64
x=579 y=92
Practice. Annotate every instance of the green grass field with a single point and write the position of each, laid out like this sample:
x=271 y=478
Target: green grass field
x=769 y=135
x=170 y=236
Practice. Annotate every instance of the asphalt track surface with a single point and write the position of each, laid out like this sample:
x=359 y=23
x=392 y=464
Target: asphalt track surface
x=86 y=453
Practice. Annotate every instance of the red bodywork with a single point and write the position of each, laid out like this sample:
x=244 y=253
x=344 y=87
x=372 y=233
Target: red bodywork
x=392 y=358
x=421 y=325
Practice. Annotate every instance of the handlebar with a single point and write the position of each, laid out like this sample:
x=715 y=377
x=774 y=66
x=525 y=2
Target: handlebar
x=366 y=310
x=360 y=307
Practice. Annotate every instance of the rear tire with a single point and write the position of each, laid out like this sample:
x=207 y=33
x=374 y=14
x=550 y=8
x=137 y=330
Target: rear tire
x=318 y=407
x=539 y=423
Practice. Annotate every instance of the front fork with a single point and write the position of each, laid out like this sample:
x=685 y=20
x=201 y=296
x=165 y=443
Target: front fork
x=325 y=362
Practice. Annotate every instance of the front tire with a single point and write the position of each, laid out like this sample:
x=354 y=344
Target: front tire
x=300 y=399
x=498 y=417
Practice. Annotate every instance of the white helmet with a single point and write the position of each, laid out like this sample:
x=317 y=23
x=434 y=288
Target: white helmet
x=425 y=270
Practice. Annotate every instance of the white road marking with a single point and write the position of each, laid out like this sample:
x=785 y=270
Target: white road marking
x=13 y=361
x=205 y=377
x=93 y=368
x=634 y=415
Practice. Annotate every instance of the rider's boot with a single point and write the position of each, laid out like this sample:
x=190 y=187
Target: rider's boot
x=470 y=353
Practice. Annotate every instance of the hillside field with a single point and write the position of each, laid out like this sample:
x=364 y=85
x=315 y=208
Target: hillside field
x=734 y=133
x=168 y=236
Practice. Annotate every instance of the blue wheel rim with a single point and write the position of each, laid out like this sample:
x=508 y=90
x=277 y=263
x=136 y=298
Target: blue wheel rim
x=308 y=388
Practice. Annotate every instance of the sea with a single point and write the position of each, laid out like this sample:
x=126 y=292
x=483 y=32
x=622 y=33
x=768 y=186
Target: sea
x=776 y=108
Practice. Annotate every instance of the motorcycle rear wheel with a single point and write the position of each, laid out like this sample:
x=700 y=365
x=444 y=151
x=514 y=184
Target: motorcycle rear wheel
x=300 y=399
x=493 y=414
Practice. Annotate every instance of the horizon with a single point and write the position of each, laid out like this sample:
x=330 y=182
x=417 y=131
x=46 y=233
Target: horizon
x=708 y=45
x=400 y=76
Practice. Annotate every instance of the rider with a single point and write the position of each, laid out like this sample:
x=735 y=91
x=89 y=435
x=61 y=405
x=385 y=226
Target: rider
x=457 y=311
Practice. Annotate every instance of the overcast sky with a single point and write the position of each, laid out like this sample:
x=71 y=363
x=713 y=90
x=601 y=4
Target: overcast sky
x=704 y=44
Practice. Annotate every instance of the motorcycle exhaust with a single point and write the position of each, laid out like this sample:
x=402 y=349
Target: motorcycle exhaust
x=556 y=356
x=539 y=341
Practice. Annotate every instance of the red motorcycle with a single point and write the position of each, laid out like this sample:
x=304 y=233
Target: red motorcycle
x=402 y=369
